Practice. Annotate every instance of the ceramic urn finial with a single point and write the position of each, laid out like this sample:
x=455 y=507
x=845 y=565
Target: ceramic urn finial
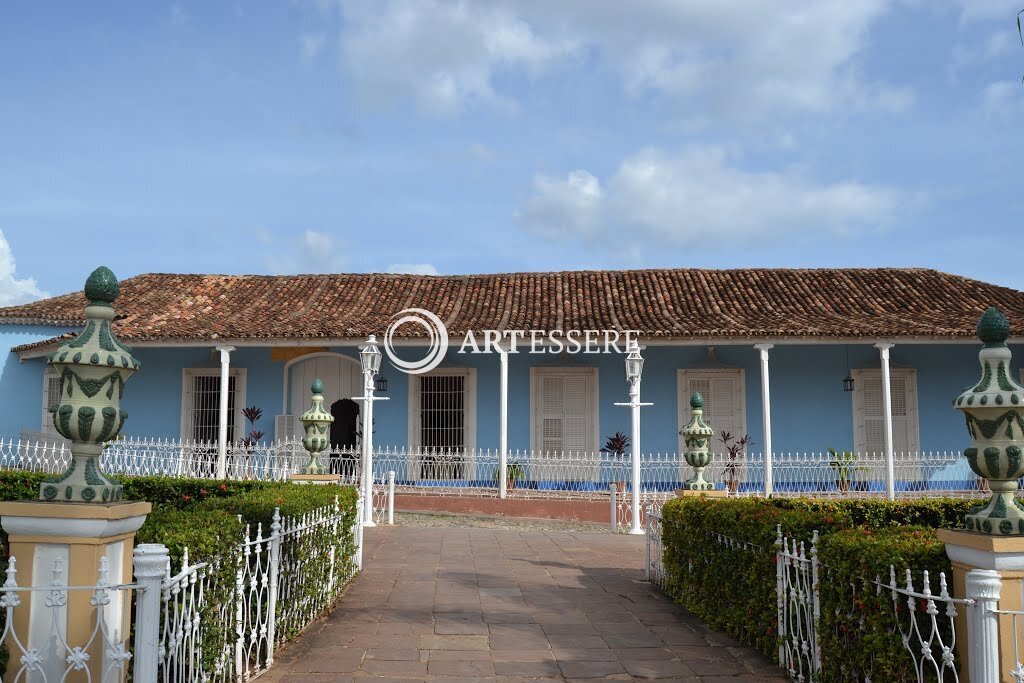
x=93 y=368
x=316 y=422
x=696 y=437
x=994 y=410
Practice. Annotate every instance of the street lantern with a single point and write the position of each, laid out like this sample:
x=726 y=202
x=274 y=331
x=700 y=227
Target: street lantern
x=369 y=356
x=634 y=363
x=381 y=384
x=634 y=368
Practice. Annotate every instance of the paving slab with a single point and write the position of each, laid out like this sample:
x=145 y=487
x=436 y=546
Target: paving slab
x=483 y=604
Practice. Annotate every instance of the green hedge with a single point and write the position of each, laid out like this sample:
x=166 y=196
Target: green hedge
x=733 y=589
x=203 y=515
x=862 y=635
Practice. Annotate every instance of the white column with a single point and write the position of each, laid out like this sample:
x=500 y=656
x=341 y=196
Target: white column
x=503 y=425
x=766 y=416
x=149 y=565
x=890 y=468
x=984 y=587
x=222 y=427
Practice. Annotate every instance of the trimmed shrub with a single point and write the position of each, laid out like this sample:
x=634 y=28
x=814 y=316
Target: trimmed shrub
x=733 y=587
x=859 y=627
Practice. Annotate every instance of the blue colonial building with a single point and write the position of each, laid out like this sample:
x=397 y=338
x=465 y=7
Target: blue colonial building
x=822 y=337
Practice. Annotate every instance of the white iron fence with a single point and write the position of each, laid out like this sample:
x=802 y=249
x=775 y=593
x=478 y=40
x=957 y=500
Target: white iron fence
x=48 y=648
x=925 y=619
x=530 y=473
x=285 y=579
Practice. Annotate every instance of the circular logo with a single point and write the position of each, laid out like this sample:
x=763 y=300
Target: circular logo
x=437 y=333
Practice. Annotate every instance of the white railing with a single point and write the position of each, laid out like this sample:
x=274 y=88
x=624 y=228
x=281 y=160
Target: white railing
x=279 y=589
x=531 y=473
x=47 y=651
x=925 y=618
x=798 y=606
x=926 y=627
x=654 y=564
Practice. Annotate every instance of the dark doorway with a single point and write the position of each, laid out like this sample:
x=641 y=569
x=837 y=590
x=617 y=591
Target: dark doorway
x=343 y=437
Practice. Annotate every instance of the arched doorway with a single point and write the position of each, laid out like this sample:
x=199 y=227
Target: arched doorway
x=344 y=436
x=341 y=375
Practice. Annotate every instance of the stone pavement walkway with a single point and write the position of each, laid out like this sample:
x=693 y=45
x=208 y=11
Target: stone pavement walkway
x=451 y=604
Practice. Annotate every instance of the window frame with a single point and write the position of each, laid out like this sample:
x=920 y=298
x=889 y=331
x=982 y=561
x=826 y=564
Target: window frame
x=683 y=376
x=46 y=425
x=468 y=405
x=188 y=376
x=594 y=401
x=913 y=407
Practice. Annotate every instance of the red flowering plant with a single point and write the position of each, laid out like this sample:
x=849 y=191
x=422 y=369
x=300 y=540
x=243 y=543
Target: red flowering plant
x=252 y=416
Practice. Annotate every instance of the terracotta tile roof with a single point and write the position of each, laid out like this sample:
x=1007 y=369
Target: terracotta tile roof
x=679 y=303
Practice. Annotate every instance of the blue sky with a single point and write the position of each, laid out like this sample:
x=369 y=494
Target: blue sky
x=490 y=136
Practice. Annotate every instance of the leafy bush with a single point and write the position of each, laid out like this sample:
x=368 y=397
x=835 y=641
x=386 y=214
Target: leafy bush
x=859 y=626
x=733 y=588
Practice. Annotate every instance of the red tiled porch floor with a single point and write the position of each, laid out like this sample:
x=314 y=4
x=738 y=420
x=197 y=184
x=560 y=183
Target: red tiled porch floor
x=450 y=604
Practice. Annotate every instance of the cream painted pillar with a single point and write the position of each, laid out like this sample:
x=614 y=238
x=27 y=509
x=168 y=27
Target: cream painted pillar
x=503 y=424
x=79 y=536
x=890 y=467
x=970 y=550
x=222 y=425
x=766 y=416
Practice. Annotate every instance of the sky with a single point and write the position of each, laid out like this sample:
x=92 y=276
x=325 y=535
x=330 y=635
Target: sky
x=495 y=136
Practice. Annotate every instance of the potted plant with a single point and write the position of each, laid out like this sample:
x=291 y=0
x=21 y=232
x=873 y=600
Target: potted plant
x=734 y=447
x=617 y=444
x=844 y=464
x=513 y=473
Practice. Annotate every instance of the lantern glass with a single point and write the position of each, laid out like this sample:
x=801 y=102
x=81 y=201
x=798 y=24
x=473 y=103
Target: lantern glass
x=381 y=384
x=369 y=356
x=848 y=383
x=634 y=364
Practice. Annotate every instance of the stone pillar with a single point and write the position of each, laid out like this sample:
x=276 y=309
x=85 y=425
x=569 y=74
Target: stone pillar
x=79 y=522
x=696 y=437
x=316 y=422
x=994 y=535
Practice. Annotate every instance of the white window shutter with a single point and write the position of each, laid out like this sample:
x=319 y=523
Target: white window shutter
x=578 y=420
x=284 y=427
x=51 y=395
x=188 y=406
x=722 y=391
x=869 y=411
x=565 y=419
x=552 y=399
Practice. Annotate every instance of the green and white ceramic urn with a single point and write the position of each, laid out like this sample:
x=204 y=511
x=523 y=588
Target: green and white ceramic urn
x=316 y=422
x=696 y=437
x=994 y=409
x=93 y=368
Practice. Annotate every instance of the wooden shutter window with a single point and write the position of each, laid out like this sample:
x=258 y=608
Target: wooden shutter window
x=565 y=411
x=723 y=402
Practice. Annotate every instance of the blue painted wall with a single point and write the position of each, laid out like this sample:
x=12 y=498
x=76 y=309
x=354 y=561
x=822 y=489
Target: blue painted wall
x=21 y=383
x=810 y=410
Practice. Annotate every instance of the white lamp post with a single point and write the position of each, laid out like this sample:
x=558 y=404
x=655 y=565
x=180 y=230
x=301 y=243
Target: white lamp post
x=369 y=357
x=634 y=369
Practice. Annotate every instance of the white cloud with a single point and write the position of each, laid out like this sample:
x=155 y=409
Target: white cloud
x=14 y=291
x=413 y=269
x=737 y=59
x=442 y=55
x=1002 y=99
x=699 y=198
x=981 y=10
x=312 y=252
x=311 y=45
